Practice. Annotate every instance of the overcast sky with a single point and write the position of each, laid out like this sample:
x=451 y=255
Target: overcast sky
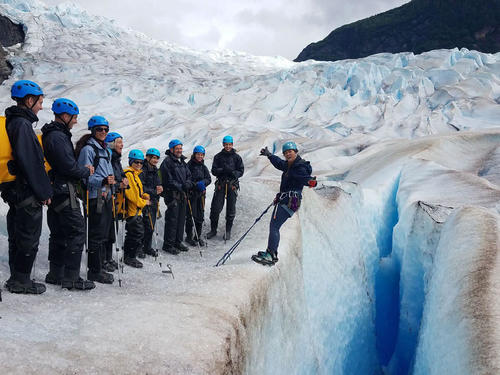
x=260 y=27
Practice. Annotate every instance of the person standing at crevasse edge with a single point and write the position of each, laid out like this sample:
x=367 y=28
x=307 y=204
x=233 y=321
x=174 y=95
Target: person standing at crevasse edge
x=152 y=186
x=92 y=149
x=30 y=190
x=176 y=182
x=296 y=175
x=228 y=168
x=64 y=217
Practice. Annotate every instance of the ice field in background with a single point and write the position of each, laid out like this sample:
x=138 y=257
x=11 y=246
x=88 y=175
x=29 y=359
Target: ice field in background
x=390 y=266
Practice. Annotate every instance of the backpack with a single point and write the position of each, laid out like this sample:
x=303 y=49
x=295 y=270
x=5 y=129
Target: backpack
x=6 y=159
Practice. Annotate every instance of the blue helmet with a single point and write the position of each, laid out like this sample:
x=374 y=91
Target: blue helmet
x=96 y=121
x=199 y=149
x=153 y=151
x=289 y=146
x=227 y=139
x=112 y=136
x=63 y=105
x=135 y=155
x=173 y=143
x=24 y=87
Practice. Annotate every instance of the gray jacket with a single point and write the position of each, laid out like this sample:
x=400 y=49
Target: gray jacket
x=102 y=171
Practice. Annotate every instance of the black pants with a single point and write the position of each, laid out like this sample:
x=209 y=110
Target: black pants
x=134 y=236
x=198 y=208
x=175 y=216
x=149 y=220
x=67 y=237
x=99 y=223
x=218 y=204
x=108 y=246
x=24 y=226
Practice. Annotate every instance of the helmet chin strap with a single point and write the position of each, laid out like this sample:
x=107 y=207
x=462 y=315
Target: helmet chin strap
x=64 y=122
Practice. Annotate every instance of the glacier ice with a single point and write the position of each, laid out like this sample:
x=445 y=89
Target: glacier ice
x=388 y=268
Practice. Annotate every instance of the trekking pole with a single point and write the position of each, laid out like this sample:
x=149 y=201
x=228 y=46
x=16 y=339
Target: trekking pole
x=225 y=223
x=227 y=255
x=86 y=213
x=117 y=248
x=120 y=257
x=155 y=229
x=194 y=226
x=169 y=266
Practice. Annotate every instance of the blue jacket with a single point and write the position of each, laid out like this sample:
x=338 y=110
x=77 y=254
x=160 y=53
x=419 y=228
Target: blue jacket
x=104 y=169
x=150 y=179
x=27 y=152
x=60 y=154
x=295 y=177
x=175 y=174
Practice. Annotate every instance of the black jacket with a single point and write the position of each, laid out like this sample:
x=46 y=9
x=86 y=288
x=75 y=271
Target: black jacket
x=116 y=163
x=295 y=177
x=150 y=180
x=28 y=155
x=60 y=154
x=227 y=165
x=199 y=172
x=175 y=174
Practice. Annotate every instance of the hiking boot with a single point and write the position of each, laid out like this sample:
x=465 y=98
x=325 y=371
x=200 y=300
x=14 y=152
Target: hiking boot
x=78 y=284
x=201 y=242
x=50 y=278
x=140 y=254
x=101 y=277
x=265 y=258
x=55 y=274
x=211 y=234
x=108 y=267
x=180 y=246
x=7 y=283
x=28 y=287
x=227 y=235
x=151 y=252
x=132 y=262
x=190 y=241
x=113 y=263
x=170 y=249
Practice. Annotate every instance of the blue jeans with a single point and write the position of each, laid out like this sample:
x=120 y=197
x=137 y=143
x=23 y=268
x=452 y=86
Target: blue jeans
x=280 y=215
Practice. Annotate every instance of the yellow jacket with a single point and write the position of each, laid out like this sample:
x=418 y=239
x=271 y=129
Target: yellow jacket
x=136 y=198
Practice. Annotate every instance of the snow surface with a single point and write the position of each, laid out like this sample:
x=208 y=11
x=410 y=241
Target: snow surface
x=390 y=265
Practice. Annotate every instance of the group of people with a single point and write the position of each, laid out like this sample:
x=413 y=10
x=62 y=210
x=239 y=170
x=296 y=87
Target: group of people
x=52 y=172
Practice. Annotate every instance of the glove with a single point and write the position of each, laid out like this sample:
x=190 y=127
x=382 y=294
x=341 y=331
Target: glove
x=312 y=183
x=200 y=185
x=265 y=152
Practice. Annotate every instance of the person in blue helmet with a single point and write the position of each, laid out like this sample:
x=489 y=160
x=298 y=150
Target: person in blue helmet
x=296 y=175
x=64 y=217
x=114 y=142
x=228 y=168
x=137 y=200
x=30 y=190
x=152 y=186
x=92 y=149
x=176 y=182
x=200 y=176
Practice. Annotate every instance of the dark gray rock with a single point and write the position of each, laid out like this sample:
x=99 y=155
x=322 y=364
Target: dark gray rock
x=10 y=34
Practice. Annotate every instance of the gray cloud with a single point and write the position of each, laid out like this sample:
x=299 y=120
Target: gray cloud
x=272 y=27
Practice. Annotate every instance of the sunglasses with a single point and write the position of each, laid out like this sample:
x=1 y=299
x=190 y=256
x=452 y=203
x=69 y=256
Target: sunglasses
x=137 y=162
x=103 y=129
